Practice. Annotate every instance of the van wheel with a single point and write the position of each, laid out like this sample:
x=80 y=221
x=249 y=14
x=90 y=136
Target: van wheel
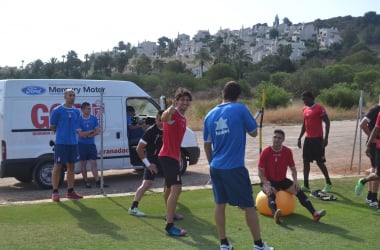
x=183 y=164
x=43 y=172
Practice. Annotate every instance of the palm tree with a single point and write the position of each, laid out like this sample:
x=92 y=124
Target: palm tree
x=203 y=57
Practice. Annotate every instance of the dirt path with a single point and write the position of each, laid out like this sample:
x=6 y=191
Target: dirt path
x=338 y=154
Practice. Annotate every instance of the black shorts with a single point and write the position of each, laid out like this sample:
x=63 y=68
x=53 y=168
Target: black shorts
x=377 y=156
x=373 y=155
x=313 y=150
x=149 y=176
x=281 y=185
x=171 y=170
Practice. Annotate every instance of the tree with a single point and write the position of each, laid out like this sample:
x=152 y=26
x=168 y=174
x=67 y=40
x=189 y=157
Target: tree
x=103 y=64
x=158 y=65
x=203 y=57
x=287 y=21
x=284 y=50
x=368 y=80
x=221 y=70
x=175 y=66
x=51 y=67
x=273 y=33
x=340 y=73
x=143 y=65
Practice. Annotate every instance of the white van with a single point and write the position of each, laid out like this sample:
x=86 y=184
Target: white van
x=27 y=142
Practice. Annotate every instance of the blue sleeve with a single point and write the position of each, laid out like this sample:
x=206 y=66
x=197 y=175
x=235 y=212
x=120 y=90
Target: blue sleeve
x=54 y=117
x=250 y=122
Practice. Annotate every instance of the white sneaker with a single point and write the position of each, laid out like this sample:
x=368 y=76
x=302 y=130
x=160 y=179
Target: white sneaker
x=226 y=247
x=135 y=212
x=264 y=247
x=373 y=203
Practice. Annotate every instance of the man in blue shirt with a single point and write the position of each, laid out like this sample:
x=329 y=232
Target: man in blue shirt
x=64 y=122
x=224 y=135
x=88 y=129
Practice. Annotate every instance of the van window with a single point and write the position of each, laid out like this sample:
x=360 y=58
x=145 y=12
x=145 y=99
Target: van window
x=143 y=107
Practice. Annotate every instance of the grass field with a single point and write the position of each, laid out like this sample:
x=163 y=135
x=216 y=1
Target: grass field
x=104 y=223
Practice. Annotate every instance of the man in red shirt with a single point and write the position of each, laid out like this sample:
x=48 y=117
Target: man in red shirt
x=174 y=127
x=273 y=163
x=314 y=145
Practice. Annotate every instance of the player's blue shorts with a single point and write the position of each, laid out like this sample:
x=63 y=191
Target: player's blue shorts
x=232 y=186
x=65 y=153
x=87 y=151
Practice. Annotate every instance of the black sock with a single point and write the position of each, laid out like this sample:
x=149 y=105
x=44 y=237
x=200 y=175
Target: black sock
x=304 y=200
x=135 y=204
x=168 y=226
x=55 y=191
x=369 y=195
x=258 y=243
x=70 y=190
x=374 y=196
x=224 y=242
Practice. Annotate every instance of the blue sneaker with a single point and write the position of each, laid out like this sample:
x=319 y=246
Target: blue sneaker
x=359 y=187
x=175 y=231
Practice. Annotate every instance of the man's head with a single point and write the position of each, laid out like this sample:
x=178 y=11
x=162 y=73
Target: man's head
x=278 y=138
x=69 y=96
x=231 y=91
x=307 y=98
x=182 y=99
x=86 y=108
x=131 y=110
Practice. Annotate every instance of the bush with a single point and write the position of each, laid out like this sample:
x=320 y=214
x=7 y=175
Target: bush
x=340 y=95
x=275 y=96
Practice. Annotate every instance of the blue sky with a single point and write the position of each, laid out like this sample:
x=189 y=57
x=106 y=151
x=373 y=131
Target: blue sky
x=42 y=29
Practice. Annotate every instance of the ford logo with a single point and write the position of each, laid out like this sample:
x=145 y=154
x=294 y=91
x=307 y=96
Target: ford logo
x=33 y=90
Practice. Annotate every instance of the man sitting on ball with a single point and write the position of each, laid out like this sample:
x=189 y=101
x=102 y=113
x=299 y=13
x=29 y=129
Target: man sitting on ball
x=273 y=164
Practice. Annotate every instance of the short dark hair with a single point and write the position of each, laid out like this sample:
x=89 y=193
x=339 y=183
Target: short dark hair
x=130 y=109
x=307 y=94
x=180 y=92
x=84 y=105
x=231 y=91
x=279 y=131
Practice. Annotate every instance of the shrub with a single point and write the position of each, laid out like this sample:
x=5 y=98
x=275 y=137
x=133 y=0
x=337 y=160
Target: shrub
x=275 y=96
x=340 y=95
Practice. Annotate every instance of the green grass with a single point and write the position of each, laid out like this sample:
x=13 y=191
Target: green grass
x=104 y=223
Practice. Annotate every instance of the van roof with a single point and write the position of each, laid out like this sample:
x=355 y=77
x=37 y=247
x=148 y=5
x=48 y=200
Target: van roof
x=54 y=87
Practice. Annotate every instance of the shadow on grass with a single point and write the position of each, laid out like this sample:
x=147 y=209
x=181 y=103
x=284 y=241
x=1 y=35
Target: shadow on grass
x=89 y=220
x=299 y=221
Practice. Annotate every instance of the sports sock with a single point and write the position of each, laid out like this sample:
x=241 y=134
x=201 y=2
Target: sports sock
x=305 y=201
x=168 y=226
x=369 y=195
x=374 y=197
x=70 y=190
x=135 y=204
x=258 y=243
x=224 y=242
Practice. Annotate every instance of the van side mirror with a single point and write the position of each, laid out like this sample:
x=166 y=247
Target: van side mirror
x=163 y=103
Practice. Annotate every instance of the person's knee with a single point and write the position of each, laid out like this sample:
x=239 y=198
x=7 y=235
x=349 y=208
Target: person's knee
x=147 y=184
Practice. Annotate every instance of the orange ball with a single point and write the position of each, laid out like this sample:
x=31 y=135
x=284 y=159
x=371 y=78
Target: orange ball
x=284 y=200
